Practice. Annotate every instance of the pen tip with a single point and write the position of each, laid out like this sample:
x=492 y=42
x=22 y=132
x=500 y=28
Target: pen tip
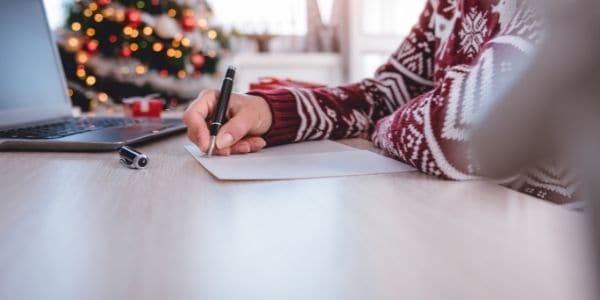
x=211 y=149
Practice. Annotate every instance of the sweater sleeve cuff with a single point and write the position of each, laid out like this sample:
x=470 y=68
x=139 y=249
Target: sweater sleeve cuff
x=286 y=119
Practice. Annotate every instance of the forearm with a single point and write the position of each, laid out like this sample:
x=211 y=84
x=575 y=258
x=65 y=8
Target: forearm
x=322 y=113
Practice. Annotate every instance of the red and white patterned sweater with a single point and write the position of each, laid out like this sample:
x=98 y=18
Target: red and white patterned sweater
x=422 y=103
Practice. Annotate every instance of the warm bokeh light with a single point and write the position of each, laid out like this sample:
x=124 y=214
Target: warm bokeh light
x=157 y=47
x=127 y=30
x=80 y=73
x=98 y=18
x=82 y=57
x=148 y=30
x=76 y=26
x=140 y=70
x=103 y=97
x=212 y=34
x=185 y=42
x=90 y=80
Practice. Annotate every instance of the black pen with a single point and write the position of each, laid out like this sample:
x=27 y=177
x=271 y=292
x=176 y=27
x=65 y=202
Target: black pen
x=222 y=106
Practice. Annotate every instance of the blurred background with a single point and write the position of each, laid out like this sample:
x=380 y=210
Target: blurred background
x=172 y=49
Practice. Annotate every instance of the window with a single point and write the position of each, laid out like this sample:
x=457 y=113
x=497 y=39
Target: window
x=371 y=61
x=390 y=17
x=55 y=9
x=377 y=28
x=283 y=17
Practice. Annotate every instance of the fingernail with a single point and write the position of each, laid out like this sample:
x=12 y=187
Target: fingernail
x=225 y=141
x=262 y=143
x=244 y=149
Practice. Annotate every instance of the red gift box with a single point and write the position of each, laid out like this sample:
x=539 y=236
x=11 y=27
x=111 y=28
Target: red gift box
x=148 y=107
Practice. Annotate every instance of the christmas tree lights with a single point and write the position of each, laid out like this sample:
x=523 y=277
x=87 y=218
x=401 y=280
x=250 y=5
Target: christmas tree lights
x=114 y=49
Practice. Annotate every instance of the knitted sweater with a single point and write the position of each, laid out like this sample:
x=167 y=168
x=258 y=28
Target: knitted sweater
x=423 y=102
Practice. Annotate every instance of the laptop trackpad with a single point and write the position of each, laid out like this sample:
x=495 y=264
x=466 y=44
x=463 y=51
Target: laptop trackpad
x=116 y=134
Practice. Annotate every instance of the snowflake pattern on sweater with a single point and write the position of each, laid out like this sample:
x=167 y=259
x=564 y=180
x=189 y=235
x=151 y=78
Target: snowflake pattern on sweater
x=423 y=102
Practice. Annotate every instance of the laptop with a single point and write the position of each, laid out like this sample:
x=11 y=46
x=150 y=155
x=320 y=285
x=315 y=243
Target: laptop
x=35 y=110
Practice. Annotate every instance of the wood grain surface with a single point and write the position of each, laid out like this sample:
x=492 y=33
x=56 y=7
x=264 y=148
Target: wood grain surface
x=81 y=226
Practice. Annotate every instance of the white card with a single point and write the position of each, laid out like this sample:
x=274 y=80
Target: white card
x=302 y=160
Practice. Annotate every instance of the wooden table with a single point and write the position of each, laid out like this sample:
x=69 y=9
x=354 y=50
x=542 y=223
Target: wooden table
x=80 y=226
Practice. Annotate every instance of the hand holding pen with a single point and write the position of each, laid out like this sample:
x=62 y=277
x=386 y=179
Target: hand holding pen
x=249 y=117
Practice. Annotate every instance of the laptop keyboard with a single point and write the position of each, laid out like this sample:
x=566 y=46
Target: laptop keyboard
x=67 y=127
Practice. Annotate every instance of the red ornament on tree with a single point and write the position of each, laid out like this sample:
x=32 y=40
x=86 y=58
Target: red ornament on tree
x=197 y=60
x=113 y=38
x=133 y=17
x=125 y=52
x=91 y=46
x=188 y=23
x=163 y=73
x=103 y=2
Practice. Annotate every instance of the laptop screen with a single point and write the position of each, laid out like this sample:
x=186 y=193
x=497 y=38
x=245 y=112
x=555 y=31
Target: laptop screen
x=31 y=80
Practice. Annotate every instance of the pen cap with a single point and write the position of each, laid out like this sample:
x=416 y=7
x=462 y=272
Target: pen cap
x=133 y=158
x=129 y=153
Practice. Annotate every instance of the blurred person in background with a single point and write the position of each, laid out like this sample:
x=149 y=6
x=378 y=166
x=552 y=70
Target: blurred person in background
x=421 y=105
x=554 y=110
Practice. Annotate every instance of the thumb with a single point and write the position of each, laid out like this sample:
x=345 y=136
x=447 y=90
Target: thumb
x=234 y=130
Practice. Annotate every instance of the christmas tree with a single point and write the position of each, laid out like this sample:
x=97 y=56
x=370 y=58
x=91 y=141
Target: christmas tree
x=115 y=49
